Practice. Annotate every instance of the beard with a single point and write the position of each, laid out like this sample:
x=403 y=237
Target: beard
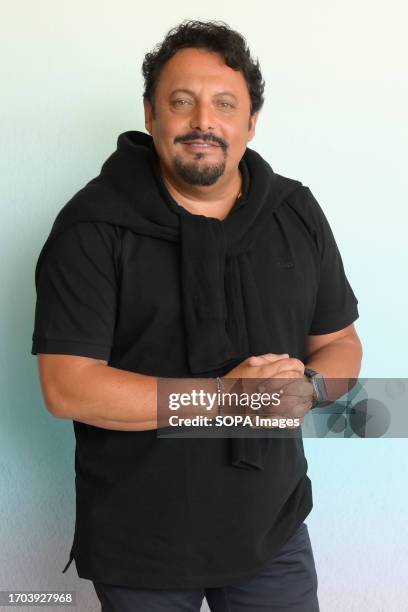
x=197 y=174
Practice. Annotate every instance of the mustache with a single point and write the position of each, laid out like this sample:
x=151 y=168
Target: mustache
x=204 y=137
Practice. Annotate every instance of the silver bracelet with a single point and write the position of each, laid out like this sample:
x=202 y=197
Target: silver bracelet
x=219 y=389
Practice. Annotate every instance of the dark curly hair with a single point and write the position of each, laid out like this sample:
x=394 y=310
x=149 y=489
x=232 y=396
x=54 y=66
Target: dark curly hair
x=214 y=36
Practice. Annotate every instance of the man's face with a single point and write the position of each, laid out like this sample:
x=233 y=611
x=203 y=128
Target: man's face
x=199 y=98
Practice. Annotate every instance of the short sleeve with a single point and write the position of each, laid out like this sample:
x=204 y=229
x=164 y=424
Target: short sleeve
x=75 y=310
x=336 y=303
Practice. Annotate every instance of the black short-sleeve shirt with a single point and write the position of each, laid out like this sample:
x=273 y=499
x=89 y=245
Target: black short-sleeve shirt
x=173 y=513
x=77 y=292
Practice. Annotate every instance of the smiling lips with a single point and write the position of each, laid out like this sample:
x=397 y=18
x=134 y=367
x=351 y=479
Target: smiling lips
x=201 y=145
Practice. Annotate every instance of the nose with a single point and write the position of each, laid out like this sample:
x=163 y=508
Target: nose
x=201 y=117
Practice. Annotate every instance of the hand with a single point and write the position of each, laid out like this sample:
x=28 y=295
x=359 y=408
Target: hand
x=268 y=365
x=297 y=394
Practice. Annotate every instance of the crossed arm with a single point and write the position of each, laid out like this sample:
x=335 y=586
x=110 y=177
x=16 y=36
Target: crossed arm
x=90 y=391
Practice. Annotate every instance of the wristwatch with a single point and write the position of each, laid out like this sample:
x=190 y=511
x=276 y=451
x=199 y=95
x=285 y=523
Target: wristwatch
x=319 y=386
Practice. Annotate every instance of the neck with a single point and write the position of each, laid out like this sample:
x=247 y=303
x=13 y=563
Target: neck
x=210 y=201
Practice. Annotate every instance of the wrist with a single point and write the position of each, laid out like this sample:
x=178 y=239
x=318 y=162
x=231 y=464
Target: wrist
x=228 y=391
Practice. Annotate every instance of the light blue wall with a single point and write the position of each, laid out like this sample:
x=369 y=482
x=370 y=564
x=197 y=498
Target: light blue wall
x=335 y=118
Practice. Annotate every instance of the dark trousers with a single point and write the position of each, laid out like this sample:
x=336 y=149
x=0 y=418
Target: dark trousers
x=286 y=583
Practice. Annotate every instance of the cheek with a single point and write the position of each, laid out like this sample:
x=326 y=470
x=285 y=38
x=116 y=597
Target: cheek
x=162 y=132
x=167 y=131
x=236 y=149
x=164 y=140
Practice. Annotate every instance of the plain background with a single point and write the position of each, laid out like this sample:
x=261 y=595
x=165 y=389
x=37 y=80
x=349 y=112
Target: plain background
x=334 y=118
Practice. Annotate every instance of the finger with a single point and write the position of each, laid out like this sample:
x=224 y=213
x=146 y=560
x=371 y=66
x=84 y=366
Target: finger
x=278 y=382
x=274 y=356
x=257 y=360
x=290 y=364
x=298 y=386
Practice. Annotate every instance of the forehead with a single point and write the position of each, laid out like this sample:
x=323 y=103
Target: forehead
x=197 y=68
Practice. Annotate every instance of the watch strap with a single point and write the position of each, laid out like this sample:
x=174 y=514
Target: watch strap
x=319 y=386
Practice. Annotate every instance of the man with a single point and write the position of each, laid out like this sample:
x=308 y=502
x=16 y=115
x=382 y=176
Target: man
x=189 y=258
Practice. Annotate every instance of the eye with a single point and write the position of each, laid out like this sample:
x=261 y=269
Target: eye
x=176 y=102
x=227 y=104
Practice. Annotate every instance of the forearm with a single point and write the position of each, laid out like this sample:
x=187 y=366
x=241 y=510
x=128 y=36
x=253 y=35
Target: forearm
x=119 y=425
x=112 y=398
x=340 y=364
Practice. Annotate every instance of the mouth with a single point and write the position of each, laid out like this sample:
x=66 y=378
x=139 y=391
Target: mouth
x=197 y=145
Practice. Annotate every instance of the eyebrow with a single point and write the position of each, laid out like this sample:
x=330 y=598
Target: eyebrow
x=220 y=93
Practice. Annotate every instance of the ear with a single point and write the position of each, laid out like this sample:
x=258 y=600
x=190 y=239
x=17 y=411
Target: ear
x=253 y=122
x=148 y=113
